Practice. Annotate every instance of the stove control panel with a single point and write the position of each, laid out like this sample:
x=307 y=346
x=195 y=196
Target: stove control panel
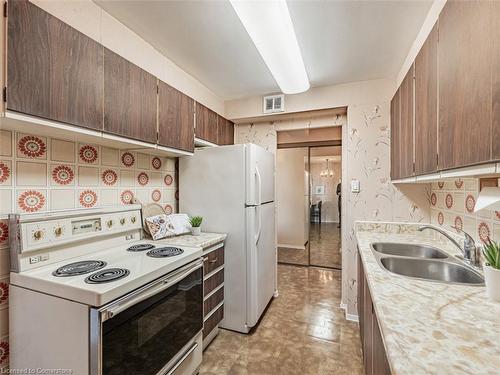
x=44 y=233
x=86 y=226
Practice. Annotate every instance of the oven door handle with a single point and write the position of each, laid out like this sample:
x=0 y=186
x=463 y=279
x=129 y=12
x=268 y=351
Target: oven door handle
x=148 y=291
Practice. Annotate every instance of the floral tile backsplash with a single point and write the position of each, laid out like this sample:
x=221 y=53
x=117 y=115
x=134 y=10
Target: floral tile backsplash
x=452 y=204
x=40 y=174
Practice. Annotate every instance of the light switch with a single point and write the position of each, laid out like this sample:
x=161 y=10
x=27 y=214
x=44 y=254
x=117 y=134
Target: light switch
x=355 y=186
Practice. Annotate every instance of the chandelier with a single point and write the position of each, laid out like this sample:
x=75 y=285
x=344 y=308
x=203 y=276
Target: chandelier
x=327 y=172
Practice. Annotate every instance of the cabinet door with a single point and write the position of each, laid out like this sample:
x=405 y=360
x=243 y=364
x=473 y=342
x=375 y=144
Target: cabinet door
x=426 y=106
x=395 y=136
x=406 y=126
x=465 y=75
x=225 y=131
x=361 y=297
x=175 y=118
x=367 y=331
x=53 y=71
x=380 y=364
x=130 y=99
x=206 y=124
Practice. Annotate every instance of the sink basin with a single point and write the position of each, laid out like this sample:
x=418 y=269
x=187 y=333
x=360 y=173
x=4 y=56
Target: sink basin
x=408 y=250
x=429 y=269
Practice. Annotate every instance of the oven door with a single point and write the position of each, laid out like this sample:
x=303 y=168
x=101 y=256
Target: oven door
x=143 y=332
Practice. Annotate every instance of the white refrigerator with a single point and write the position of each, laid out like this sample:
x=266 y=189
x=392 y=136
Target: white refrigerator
x=232 y=187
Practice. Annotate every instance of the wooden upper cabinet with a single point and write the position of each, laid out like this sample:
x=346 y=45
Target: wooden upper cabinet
x=426 y=103
x=206 y=124
x=130 y=99
x=225 y=131
x=395 y=136
x=496 y=79
x=406 y=126
x=53 y=71
x=175 y=118
x=465 y=77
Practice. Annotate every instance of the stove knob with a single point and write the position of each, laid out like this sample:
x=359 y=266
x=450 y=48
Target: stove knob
x=58 y=231
x=38 y=235
x=109 y=223
x=122 y=221
x=133 y=219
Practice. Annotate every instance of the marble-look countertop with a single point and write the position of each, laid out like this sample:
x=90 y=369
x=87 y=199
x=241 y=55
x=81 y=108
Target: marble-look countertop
x=429 y=327
x=204 y=240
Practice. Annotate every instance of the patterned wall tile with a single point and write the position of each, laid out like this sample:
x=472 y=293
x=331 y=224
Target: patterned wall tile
x=143 y=161
x=62 y=151
x=5 y=201
x=109 y=156
x=109 y=197
x=5 y=143
x=88 y=154
x=4 y=262
x=5 y=172
x=31 y=146
x=88 y=176
x=31 y=200
x=62 y=199
x=456 y=199
x=109 y=177
x=31 y=174
x=128 y=159
x=62 y=175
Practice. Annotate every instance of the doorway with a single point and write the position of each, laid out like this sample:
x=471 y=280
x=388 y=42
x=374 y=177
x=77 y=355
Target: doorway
x=325 y=175
x=308 y=198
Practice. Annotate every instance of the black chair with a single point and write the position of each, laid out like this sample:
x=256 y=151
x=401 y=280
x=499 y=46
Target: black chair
x=316 y=212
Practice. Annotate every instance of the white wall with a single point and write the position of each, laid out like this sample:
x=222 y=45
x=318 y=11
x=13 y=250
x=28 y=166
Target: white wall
x=365 y=157
x=291 y=197
x=91 y=20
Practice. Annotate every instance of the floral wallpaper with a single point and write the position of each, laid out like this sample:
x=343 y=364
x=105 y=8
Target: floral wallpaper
x=365 y=157
x=452 y=205
x=40 y=174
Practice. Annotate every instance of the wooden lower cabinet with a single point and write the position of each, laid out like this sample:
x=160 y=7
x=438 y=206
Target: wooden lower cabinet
x=374 y=356
x=213 y=291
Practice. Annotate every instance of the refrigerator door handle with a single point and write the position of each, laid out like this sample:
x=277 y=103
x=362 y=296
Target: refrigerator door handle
x=259 y=185
x=259 y=226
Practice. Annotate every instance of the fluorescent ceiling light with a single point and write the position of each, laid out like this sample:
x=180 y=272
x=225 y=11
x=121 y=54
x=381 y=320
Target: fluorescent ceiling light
x=270 y=27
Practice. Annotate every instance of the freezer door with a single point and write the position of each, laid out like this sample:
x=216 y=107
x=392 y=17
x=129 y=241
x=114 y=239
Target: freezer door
x=260 y=175
x=261 y=260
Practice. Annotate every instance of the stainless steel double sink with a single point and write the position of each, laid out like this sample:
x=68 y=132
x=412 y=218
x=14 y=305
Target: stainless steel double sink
x=425 y=263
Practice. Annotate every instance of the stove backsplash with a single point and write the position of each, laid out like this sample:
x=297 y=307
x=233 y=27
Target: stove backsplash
x=40 y=174
x=452 y=204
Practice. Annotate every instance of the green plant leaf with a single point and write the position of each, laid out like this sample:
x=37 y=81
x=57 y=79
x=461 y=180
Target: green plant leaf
x=491 y=251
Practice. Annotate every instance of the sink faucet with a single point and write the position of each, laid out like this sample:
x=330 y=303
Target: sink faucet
x=469 y=250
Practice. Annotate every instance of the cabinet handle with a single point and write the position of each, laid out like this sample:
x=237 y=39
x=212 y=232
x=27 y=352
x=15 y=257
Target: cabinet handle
x=213 y=261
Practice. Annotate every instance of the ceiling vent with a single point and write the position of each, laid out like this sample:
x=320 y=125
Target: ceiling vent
x=274 y=103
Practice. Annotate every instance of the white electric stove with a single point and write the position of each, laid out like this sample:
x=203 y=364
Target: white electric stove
x=90 y=296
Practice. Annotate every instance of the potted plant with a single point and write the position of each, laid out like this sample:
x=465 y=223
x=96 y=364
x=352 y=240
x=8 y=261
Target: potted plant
x=491 y=269
x=195 y=222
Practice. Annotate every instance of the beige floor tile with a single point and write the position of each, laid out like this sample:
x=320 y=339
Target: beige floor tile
x=302 y=332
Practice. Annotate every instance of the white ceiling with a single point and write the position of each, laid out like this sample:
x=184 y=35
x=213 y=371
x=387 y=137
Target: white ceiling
x=341 y=41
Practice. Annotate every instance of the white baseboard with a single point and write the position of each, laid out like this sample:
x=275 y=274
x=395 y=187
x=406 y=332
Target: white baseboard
x=352 y=317
x=291 y=246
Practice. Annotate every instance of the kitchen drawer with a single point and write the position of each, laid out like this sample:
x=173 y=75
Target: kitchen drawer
x=212 y=322
x=211 y=302
x=213 y=282
x=213 y=260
